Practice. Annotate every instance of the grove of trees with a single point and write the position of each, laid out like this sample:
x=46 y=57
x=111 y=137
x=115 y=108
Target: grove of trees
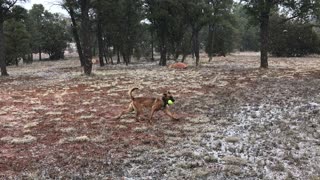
x=23 y=33
x=123 y=29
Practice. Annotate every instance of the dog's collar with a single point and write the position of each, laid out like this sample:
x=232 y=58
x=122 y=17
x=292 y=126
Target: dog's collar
x=164 y=102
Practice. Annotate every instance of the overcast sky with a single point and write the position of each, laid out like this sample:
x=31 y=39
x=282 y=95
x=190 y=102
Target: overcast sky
x=52 y=6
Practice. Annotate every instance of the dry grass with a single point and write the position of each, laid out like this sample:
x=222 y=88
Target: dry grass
x=237 y=121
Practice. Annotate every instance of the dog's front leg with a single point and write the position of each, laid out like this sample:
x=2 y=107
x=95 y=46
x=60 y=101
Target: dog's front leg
x=151 y=115
x=137 y=115
x=167 y=112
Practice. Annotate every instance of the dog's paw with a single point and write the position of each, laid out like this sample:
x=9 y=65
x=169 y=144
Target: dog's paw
x=115 y=118
x=150 y=121
x=176 y=118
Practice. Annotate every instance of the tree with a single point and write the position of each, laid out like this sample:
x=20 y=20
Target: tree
x=129 y=26
x=36 y=20
x=145 y=44
x=177 y=30
x=17 y=38
x=55 y=36
x=222 y=28
x=116 y=24
x=248 y=30
x=293 y=38
x=70 y=7
x=161 y=14
x=186 y=45
x=85 y=32
x=17 y=41
x=85 y=36
x=5 y=13
x=261 y=11
x=99 y=6
x=112 y=17
x=49 y=32
x=197 y=13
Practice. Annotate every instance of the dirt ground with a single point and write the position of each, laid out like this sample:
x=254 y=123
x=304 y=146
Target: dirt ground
x=236 y=121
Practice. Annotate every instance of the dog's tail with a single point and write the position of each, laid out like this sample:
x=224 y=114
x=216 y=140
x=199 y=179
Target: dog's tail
x=130 y=92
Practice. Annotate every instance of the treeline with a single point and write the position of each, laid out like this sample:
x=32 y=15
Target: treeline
x=34 y=31
x=117 y=30
x=173 y=28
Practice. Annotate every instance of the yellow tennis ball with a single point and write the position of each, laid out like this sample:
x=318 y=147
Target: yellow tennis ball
x=170 y=102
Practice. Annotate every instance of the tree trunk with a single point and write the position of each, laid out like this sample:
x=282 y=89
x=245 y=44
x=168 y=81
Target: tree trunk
x=163 y=51
x=184 y=57
x=163 y=56
x=76 y=35
x=125 y=59
x=100 y=40
x=40 y=58
x=85 y=37
x=264 y=36
x=210 y=42
x=94 y=50
x=28 y=58
x=111 y=60
x=31 y=57
x=195 y=45
x=128 y=54
x=2 y=52
x=105 y=51
x=176 y=56
x=152 y=47
x=118 y=56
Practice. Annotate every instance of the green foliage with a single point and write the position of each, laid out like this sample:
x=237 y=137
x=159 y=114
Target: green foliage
x=250 y=38
x=26 y=32
x=197 y=13
x=177 y=30
x=223 y=33
x=7 y=11
x=262 y=10
x=17 y=41
x=225 y=37
x=143 y=44
x=18 y=13
x=161 y=14
x=164 y=16
x=55 y=36
x=16 y=35
x=248 y=30
x=34 y=25
x=293 y=38
x=129 y=25
x=49 y=32
x=120 y=21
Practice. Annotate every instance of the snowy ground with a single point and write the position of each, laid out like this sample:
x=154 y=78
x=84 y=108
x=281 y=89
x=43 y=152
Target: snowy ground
x=237 y=121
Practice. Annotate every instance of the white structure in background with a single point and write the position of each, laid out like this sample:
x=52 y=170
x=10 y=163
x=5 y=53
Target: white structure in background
x=71 y=50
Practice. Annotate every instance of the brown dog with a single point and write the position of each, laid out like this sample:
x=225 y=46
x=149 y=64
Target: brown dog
x=155 y=104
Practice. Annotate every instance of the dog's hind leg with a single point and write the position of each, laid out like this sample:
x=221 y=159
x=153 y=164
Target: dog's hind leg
x=130 y=109
x=137 y=109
